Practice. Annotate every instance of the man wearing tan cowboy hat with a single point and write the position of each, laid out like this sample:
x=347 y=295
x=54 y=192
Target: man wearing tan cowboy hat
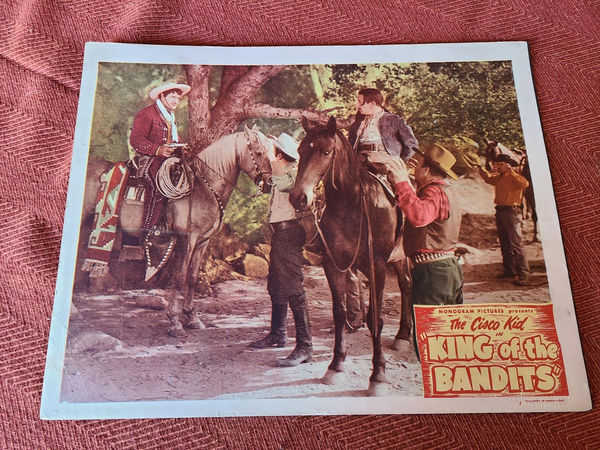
x=431 y=230
x=285 y=266
x=152 y=135
x=509 y=187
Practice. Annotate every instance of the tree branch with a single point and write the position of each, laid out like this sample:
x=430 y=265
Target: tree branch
x=272 y=112
x=230 y=75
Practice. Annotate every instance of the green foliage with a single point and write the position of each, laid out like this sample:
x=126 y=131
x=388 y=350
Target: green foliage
x=456 y=104
x=291 y=88
x=247 y=216
x=439 y=100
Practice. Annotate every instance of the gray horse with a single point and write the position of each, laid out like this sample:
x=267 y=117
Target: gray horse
x=196 y=217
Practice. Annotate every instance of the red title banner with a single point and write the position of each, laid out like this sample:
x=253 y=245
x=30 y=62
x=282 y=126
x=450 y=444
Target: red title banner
x=490 y=350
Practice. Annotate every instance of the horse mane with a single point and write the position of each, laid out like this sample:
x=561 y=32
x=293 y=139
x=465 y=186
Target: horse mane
x=345 y=167
x=220 y=156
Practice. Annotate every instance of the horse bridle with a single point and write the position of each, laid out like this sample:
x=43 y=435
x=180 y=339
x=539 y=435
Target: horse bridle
x=259 y=172
x=316 y=216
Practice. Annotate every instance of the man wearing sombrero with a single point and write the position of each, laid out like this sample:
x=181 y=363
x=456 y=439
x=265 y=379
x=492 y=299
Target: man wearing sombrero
x=285 y=259
x=433 y=215
x=154 y=130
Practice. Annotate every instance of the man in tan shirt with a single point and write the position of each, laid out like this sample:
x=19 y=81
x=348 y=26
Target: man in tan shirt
x=285 y=267
x=509 y=193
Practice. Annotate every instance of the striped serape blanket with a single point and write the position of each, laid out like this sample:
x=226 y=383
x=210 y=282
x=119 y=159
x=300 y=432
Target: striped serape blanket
x=106 y=219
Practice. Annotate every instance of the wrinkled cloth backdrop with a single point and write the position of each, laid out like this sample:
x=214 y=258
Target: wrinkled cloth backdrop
x=41 y=51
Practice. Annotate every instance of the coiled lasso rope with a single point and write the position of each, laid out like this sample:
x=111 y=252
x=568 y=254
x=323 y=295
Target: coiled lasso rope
x=167 y=186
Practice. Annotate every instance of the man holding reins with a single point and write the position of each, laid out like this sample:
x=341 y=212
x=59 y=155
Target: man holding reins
x=285 y=266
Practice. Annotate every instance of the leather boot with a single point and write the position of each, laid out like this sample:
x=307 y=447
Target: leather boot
x=303 y=351
x=278 y=335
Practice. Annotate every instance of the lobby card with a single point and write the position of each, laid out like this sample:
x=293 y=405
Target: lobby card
x=119 y=347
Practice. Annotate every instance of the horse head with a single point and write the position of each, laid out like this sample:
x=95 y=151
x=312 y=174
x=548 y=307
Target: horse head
x=255 y=161
x=324 y=155
x=495 y=149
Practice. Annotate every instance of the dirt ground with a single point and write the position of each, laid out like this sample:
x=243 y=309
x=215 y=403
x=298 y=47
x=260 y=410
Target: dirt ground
x=118 y=350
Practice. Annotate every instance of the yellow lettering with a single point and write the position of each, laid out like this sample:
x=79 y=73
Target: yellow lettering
x=461 y=379
x=546 y=381
x=480 y=378
x=499 y=378
x=483 y=350
x=442 y=379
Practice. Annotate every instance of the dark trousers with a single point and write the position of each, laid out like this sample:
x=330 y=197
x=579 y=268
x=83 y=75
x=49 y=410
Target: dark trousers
x=285 y=267
x=508 y=222
x=285 y=281
x=436 y=283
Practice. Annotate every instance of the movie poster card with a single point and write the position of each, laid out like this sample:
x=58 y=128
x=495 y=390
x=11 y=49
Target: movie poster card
x=507 y=348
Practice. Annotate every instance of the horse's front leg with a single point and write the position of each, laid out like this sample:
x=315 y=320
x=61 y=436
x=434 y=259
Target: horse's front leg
x=178 y=281
x=188 y=255
x=191 y=319
x=378 y=380
x=337 y=284
x=402 y=339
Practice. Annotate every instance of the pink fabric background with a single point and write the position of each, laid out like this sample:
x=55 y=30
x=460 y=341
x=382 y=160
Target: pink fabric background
x=41 y=55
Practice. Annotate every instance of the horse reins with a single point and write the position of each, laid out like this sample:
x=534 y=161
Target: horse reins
x=231 y=183
x=372 y=290
x=327 y=249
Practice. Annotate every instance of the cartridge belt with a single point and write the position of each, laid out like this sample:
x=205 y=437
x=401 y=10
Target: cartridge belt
x=425 y=258
x=371 y=147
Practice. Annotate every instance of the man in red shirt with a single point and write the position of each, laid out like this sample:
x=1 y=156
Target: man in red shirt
x=154 y=130
x=433 y=215
x=152 y=137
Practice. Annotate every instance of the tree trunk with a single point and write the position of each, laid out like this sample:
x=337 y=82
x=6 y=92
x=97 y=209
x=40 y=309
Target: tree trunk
x=199 y=105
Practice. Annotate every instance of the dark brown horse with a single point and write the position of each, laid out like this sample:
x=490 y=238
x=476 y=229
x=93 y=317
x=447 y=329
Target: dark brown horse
x=356 y=206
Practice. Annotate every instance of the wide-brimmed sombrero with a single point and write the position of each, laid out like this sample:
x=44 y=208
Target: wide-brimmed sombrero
x=442 y=158
x=155 y=93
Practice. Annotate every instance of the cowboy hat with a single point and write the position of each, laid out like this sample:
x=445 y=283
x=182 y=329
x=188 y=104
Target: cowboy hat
x=506 y=159
x=155 y=93
x=441 y=158
x=287 y=145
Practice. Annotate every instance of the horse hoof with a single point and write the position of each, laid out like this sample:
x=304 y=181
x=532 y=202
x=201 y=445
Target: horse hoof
x=332 y=377
x=195 y=324
x=378 y=389
x=401 y=345
x=177 y=331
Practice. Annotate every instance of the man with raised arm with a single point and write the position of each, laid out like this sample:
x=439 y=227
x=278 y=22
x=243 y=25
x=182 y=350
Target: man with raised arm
x=285 y=266
x=433 y=215
x=509 y=187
